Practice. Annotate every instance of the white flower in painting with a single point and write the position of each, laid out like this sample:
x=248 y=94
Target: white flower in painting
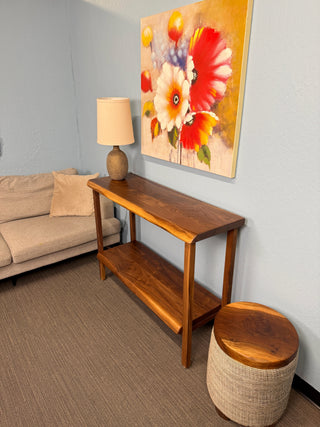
x=190 y=69
x=172 y=97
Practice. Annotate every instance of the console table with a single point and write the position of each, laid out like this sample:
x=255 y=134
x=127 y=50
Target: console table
x=173 y=295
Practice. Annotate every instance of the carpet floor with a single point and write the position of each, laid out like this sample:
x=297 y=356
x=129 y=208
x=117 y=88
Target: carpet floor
x=77 y=351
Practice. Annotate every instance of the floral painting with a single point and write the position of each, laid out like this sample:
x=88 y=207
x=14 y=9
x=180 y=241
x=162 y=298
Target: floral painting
x=193 y=62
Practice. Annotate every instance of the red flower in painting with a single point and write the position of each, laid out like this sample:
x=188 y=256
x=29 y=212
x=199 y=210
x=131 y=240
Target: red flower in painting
x=155 y=128
x=208 y=68
x=146 y=84
x=196 y=129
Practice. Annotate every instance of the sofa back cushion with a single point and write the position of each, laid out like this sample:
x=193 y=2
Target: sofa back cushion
x=25 y=196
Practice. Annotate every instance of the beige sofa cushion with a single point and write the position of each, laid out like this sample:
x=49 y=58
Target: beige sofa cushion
x=34 y=237
x=5 y=255
x=71 y=195
x=26 y=196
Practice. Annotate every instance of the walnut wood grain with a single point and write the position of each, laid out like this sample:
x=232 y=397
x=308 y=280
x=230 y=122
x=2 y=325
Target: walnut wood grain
x=188 y=219
x=188 y=295
x=97 y=211
x=158 y=284
x=229 y=266
x=132 y=226
x=256 y=335
x=182 y=304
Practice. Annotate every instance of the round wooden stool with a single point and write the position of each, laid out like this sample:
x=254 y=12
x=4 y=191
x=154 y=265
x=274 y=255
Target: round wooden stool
x=252 y=358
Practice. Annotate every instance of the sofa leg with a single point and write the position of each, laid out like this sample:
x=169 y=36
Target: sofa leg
x=14 y=280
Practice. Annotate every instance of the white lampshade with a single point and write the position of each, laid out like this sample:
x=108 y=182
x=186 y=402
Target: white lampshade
x=114 y=123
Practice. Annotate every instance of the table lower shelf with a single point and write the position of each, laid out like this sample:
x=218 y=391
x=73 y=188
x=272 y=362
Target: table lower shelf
x=158 y=284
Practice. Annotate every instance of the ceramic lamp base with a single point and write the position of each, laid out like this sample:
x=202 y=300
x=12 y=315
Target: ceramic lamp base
x=117 y=164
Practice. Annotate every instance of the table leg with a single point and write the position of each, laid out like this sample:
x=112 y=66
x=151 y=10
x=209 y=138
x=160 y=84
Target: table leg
x=132 y=226
x=188 y=291
x=229 y=266
x=97 y=212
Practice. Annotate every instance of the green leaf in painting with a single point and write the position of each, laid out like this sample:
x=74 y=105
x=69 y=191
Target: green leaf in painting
x=173 y=136
x=204 y=155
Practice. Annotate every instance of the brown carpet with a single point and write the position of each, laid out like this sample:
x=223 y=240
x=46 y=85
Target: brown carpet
x=77 y=351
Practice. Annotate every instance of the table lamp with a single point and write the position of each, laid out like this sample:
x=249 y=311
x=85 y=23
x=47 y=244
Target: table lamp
x=114 y=127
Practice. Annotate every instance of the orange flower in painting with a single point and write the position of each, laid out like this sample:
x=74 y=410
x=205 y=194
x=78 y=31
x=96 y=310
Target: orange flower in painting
x=208 y=68
x=196 y=129
x=172 y=97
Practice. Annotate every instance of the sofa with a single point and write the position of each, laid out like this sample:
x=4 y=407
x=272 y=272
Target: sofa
x=49 y=217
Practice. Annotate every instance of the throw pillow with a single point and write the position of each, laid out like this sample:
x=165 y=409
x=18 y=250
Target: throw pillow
x=71 y=195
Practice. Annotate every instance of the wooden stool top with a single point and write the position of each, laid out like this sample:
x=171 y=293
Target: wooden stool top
x=256 y=335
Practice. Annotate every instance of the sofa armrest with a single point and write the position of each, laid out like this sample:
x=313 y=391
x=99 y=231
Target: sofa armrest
x=107 y=207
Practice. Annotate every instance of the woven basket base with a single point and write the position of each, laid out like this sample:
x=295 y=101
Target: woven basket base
x=246 y=395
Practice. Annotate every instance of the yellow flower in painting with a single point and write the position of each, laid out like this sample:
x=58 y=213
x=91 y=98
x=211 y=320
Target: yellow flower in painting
x=172 y=97
x=147 y=36
x=148 y=109
x=175 y=26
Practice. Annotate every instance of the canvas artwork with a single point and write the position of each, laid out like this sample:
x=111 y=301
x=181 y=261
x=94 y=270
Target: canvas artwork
x=193 y=63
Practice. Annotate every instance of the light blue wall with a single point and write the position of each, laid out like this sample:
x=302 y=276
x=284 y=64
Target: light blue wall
x=277 y=180
x=38 y=128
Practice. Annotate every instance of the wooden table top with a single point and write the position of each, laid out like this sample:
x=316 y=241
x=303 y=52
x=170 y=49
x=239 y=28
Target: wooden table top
x=256 y=335
x=185 y=217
